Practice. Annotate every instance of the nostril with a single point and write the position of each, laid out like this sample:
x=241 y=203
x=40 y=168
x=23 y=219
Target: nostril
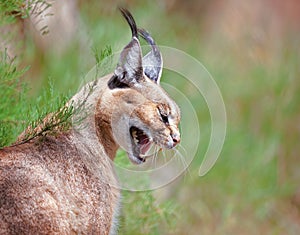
x=176 y=139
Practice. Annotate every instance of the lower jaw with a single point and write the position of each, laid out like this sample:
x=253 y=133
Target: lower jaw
x=136 y=159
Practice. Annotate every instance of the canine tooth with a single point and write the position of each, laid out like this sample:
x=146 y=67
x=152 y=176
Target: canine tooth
x=134 y=135
x=136 y=141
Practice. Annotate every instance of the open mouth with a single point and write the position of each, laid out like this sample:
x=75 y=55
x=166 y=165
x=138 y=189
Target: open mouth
x=141 y=143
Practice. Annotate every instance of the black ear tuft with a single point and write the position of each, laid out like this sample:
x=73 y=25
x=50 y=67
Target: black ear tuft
x=130 y=20
x=129 y=70
x=116 y=82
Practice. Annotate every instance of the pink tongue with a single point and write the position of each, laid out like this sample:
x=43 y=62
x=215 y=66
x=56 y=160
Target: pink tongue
x=145 y=146
x=143 y=139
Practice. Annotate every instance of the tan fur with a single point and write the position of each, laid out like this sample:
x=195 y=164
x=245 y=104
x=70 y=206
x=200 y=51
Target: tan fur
x=64 y=182
x=46 y=188
x=50 y=185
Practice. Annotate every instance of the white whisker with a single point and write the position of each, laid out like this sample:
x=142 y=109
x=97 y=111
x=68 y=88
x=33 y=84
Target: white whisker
x=154 y=159
x=164 y=155
x=153 y=156
x=182 y=158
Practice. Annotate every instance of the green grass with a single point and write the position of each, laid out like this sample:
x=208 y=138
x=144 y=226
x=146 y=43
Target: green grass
x=253 y=187
x=12 y=100
x=18 y=111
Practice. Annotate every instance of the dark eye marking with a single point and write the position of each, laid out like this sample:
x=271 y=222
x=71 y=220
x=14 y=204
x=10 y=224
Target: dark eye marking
x=164 y=118
x=164 y=115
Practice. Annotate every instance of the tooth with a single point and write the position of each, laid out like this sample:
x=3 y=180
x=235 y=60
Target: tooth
x=134 y=135
x=135 y=140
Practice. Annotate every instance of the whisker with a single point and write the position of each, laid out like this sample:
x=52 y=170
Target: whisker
x=182 y=148
x=160 y=150
x=153 y=157
x=164 y=155
x=182 y=158
x=151 y=151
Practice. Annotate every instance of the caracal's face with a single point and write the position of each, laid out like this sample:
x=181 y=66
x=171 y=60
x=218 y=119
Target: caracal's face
x=145 y=117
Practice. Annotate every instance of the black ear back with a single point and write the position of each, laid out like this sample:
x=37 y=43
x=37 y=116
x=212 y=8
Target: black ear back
x=152 y=62
x=129 y=70
x=131 y=66
x=116 y=82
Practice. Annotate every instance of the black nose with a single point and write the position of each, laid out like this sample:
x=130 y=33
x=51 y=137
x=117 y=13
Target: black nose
x=176 y=139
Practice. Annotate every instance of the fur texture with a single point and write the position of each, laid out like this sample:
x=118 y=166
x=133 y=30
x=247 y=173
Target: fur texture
x=65 y=183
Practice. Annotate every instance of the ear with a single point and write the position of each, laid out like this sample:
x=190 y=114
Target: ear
x=129 y=70
x=152 y=62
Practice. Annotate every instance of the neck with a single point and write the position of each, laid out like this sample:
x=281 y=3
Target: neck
x=104 y=132
x=94 y=129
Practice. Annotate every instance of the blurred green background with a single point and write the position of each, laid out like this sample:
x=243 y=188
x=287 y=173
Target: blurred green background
x=252 y=51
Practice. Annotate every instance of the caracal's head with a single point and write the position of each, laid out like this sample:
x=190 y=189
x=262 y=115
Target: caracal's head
x=139 y=111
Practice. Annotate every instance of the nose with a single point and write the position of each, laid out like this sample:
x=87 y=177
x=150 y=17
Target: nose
x=176 y=139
